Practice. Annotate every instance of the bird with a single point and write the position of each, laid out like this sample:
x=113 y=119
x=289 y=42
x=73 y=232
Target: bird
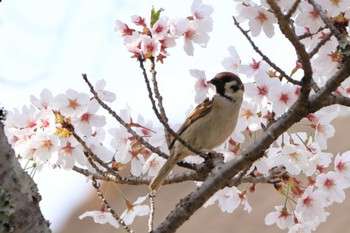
x=208 y=126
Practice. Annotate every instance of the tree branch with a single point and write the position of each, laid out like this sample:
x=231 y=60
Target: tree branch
x=263 y=56
x=303 y=56
x=122 y=122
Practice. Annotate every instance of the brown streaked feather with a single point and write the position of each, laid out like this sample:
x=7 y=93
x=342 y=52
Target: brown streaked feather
x=201 y=110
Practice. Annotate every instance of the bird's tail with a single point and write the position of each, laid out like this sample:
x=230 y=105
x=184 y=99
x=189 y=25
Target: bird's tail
x=158 y=179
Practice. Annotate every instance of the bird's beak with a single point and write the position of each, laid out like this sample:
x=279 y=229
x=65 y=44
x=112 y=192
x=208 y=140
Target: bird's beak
x=214 y=81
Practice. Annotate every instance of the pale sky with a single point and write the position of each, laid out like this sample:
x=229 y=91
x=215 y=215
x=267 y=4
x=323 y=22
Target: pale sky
x=48 y=44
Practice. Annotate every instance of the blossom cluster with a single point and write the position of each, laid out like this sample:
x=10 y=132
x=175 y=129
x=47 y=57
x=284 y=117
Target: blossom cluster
x=48 y=131
x=152 y=39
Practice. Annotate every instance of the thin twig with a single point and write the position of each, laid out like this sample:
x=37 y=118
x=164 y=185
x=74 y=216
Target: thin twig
x=91 y=156
x=159 y=98
x=152 y=211
x=96 y=185
x=320 y=44
x=122 y=122
x=160 y=118
x=263 y=56
x=308 y=34
x=326 y=20
x=293 y=9
x=303 y=56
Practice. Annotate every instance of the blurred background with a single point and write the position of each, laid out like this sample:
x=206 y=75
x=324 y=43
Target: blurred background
x=48 y=44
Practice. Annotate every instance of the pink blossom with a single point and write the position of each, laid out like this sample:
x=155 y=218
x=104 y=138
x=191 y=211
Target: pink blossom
x=201 y=85
x=72 y=103
x=45 y=101
x=45 y=146
x=177 y=27
x=201 y=11
x=153 y=164
x=122 y=28
x=259 y=19
x=138 y=20
x=308 y=17
x=254 y=68
x=282 y=98
x=102 y=93
x=69 y=153
x=160 y=28
x=321 y=122
x=228 y=199
x=293 y=158
x=332 y=186
x=101 y=217
x=135 y=209
x=259 y=91
x=342 y=166
x=196 y=32
x=282 y=217
x=150 y=47
x=233 y=62
x=333 y=7
x=90 y=119
x=310 y=206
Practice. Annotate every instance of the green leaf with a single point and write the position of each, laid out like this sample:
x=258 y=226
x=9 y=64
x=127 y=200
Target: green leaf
x=155 y=14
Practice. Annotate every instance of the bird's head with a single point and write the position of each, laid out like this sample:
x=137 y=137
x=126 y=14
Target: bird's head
x=228 y=85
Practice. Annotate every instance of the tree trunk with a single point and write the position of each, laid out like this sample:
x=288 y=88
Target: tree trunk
x=19 y=196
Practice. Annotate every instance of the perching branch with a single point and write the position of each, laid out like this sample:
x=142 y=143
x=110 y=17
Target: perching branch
x=222 y=174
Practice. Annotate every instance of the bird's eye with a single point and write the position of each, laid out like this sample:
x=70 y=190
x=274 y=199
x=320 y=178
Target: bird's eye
x=235 y=88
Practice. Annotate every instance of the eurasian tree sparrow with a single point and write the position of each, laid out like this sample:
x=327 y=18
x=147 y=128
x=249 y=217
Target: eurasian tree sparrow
x=209 y=125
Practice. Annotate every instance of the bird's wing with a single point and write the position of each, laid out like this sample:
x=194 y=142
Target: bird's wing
x=201 y=110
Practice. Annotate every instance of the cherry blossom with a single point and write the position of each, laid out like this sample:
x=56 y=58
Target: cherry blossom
x=90 y=119
x=334 y=7
x=72 y=103
x=233 y=62
x=342 y=166
x=201 y=11
x=259 y=91
x=282 y=98
x=196 y=32
x=44 y=145
x=138 y=20
x=201 y=85
x=332 y=186
x=259 y=19
x=153 y=164
x=228 y=199
x=295 y=159
x=150 y=47
x=160 y=28
x=135 y=209
x=45 y=101
x=282 y=217
x=122 y=28
x=308 y=17
x=121 y=144
x=101 y=217
x=310 y=207
x=102 y=93
x=254 y=68
x=321 y=122
x=70 y=153
x=177 y=27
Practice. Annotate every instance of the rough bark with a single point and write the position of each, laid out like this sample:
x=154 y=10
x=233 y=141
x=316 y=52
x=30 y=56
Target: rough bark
x=19 y=197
